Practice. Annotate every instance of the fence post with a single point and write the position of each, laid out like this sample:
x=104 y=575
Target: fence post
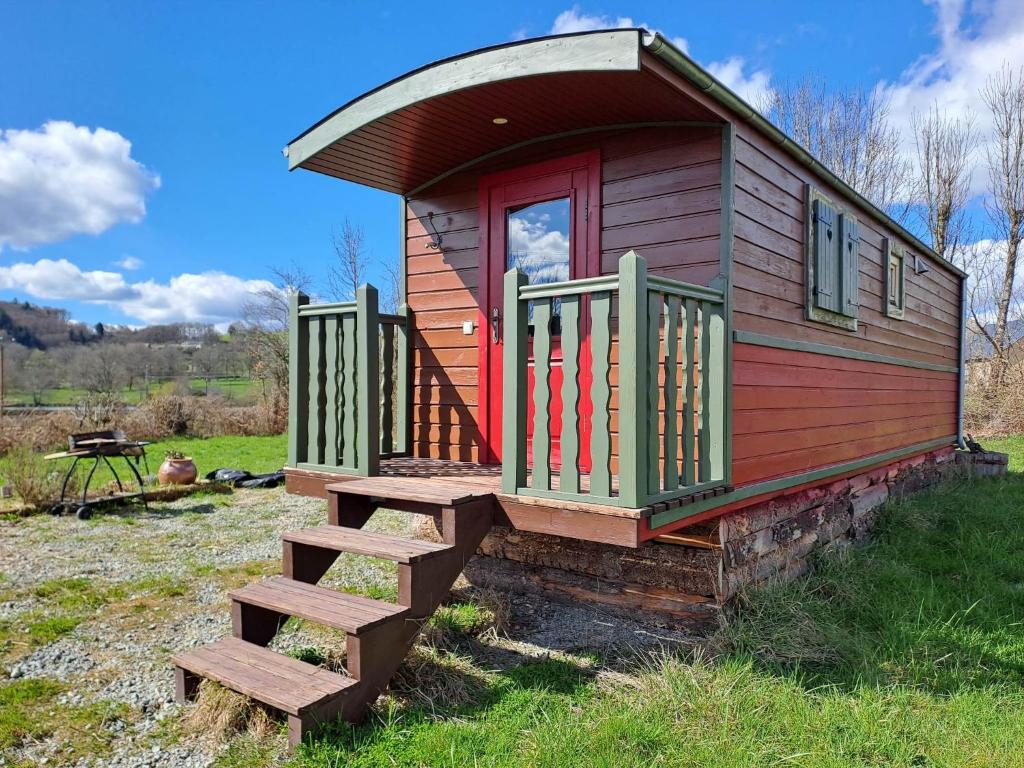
x=513 y=410
x=633 y=416
x=298 y=378
x=403 y=388
x=367 y=382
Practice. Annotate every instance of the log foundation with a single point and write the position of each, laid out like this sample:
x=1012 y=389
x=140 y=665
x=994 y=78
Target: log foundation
x=688 y=577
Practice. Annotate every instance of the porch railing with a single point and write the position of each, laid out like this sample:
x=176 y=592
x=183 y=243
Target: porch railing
x=654 y=394
x=349 y=379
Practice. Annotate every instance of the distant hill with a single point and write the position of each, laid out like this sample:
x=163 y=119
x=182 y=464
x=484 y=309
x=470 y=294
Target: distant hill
x=37 y=327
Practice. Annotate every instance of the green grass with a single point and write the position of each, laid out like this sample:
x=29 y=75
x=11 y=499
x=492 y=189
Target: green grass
x=906 y=652
x=255 y=454
x=237 y=388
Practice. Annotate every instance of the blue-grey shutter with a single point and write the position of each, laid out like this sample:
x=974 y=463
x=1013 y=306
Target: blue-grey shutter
x=850 y=236
x=826 y=261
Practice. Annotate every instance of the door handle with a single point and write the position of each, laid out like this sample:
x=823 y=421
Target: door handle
x=495 y=324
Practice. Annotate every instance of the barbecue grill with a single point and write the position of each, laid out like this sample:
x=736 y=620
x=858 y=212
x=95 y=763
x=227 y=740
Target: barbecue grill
x=100 y=446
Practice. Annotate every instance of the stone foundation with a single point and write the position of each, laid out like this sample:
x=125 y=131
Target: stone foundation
x=688 y=577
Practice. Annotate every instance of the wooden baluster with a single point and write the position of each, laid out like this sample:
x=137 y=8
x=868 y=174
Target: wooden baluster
x=368 y=381
x=704 y=454
x=513 y=440
x=348 y=390
x=689 y=404
x=569 y=476
x=541 y=475
x=331 y=390
x=601 y=437
x=298 y=380
x=716 y=402
x=387 y=415
x=403 y=390
x=654 y=304
x=671 y=470
x=314 y=434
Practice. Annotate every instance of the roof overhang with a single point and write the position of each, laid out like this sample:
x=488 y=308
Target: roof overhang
x=406 y=134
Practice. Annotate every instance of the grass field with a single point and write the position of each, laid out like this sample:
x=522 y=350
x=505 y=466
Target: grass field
x=255 y=454
x=238 y=389
x=908 y=652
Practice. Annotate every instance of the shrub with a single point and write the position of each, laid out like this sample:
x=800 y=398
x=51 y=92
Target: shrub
x=35 y=481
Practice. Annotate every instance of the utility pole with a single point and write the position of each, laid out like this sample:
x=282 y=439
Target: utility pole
x=2 y=393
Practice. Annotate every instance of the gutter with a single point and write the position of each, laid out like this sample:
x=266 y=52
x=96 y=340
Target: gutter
x=688 y=68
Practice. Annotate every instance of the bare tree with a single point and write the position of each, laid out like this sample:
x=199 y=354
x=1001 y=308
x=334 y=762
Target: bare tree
x=945 y=147
x=348 y=271
x=850 y=133
x=267 y=319
x=1004 y=96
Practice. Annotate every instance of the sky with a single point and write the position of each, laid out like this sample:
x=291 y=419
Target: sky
x=141 y=174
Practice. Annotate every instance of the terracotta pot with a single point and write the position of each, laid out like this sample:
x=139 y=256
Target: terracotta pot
x=177 y=472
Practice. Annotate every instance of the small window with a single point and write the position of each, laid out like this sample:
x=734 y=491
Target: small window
x=895 y=281
x=833 y=263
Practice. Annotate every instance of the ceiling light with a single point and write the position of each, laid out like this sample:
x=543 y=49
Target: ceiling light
x=500 y=120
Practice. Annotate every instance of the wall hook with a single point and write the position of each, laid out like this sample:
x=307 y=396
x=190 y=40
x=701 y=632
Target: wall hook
x=435 y=244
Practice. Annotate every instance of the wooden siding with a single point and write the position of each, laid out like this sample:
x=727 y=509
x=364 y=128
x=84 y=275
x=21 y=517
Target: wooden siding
x=660 y=195
x=797 y=411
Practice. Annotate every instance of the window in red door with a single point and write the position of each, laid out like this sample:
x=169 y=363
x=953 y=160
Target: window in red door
x=536 y=219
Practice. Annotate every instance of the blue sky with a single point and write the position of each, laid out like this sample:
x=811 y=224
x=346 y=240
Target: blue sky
x=208 y=93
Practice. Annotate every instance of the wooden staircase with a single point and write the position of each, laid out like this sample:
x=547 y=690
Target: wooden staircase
x=379 y=634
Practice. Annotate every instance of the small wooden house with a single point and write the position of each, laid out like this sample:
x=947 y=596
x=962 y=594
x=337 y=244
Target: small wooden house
x=632 y=311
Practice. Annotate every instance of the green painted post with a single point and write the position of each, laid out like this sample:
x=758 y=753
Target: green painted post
x=297 y=384
x=716 y=398
x=689 y=393
x=541 y=477
x=601 y=436
x=513 y=435
x=367 y=382
x=633 y=418
x=387 y=383
x=331 y=390
x=655 y=301
x=315 y=430
x=569 y=474
x=348 y=390
x=403 y=390
x=671 y=470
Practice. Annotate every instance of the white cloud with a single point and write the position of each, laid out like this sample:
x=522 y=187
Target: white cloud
x=972 y=45
x=63 y=180
x=752 y=88
x=573 y=20
x=129 y=263
x=210 y=297
x=541 y=252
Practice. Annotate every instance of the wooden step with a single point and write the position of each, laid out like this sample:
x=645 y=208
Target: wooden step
x=356 y=541
x=281 y=682
x=444 y=493
x=351 y=613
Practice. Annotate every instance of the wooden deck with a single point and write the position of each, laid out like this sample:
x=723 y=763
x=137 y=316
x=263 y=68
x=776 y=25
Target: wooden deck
x=573 y=519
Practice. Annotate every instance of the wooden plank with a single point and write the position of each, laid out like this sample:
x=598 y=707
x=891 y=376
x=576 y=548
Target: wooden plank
x=541 y=476
x=704 y=434
x=360 y=542
x=298 y=372
x=331 y=390
x=348 y=391
x=387 y=400
x=569 y=473
x=315 y=430
x=689 y=399
x=368 y=381
x=671 y=439
x=600 y=441
x=655 y=302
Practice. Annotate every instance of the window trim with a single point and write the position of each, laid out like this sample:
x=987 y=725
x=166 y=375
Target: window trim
x=812 y=311
x=897 y=310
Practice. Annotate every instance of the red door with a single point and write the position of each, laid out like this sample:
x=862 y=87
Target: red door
x=543 y=219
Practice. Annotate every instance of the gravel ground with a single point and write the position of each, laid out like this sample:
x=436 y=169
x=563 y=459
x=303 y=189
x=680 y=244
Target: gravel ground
x=169 y=570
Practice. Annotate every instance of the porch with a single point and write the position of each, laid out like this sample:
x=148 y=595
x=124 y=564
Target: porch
x=640 y=422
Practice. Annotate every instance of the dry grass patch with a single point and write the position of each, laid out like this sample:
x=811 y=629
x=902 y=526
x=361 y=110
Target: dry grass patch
x=220 y=714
